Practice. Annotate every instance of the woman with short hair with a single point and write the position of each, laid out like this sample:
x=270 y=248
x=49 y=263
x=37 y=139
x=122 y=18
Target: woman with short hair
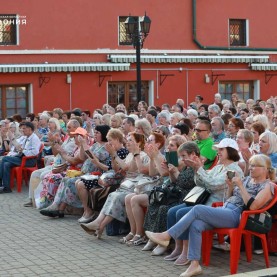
x=255 y=192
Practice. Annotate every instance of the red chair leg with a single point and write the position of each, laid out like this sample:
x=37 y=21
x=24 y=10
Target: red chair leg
x=235 y=239
x=207 y=241
x=248 y=247
x=265 y=249
x=18 y=171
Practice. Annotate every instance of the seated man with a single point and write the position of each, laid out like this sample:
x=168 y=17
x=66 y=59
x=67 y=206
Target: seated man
x=29 y=147
x=205 y=143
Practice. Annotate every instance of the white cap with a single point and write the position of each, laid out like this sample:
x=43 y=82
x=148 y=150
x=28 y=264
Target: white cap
x=227 y=142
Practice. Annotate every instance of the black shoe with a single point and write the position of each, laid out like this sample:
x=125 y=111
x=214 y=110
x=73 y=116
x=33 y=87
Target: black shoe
x=5 y=190
x=52 y=213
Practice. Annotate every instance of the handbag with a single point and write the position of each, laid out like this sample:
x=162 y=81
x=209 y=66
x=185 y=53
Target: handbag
x=260 y=223
x=147 y=183
x=197 y=195
x=164 y=195
x=130 y=182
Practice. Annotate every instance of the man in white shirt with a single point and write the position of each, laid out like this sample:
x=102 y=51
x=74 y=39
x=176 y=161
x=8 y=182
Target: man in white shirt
x=29 y=147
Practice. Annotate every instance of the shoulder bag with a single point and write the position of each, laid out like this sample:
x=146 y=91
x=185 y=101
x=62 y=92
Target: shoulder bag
x=197 y=195
x=260 y=223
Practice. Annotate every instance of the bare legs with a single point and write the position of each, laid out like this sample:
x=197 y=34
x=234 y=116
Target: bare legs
x=83 y=195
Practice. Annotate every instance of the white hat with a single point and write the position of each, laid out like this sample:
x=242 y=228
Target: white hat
x=227 y=142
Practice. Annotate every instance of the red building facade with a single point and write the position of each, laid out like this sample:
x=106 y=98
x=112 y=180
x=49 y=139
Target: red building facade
x=60 y=54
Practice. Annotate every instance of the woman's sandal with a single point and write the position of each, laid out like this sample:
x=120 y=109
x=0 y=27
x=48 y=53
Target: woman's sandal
x=129 y=237
x=137 y=240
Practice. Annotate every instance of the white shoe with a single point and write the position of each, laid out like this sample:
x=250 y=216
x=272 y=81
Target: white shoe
x=258 y=251
x=149 y=246
x=194 y=272
x=158 y=251
x=224 y=246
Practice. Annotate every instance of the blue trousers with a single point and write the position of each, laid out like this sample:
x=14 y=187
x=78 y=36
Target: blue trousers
x=5 y=168
x=174 y=214
x=201 y=218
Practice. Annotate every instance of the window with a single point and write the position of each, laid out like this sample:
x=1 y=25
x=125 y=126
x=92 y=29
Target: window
x=8 y=29
x=126 y=93
x=124 y=39
x=244 y=89
x=237 y=32
x=13 y=99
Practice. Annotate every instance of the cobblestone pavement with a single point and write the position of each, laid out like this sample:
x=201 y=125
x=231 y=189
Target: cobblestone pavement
x=33 y=245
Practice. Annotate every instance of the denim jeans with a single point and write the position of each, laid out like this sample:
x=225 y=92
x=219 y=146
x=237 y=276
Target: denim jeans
x=201 y=218
x=175 y=214
x=7 y=164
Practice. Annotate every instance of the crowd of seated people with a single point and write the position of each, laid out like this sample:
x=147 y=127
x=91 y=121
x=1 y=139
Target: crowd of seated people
x=96 y=161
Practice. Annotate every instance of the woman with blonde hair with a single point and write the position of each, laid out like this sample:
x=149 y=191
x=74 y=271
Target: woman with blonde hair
x=268 y=146
x=106 y=119
x=263 y=119
x=135 y=164
x=116 y=121
x=142 y=126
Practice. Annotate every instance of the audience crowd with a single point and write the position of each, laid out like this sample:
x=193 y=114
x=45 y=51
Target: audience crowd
x=108 y=164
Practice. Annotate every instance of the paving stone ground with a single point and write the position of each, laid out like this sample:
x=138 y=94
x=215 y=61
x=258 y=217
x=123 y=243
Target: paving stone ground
x=34 y=245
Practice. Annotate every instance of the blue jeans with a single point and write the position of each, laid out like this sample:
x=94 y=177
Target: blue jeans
x=175 y=214
x=7 y=164
x=201 y=218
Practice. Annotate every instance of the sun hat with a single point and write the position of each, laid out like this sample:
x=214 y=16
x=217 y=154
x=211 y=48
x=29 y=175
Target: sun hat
x=79 y=131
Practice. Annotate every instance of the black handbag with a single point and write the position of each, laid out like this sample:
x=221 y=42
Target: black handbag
x=197 y=195
x=164 y=195
x=260 y=223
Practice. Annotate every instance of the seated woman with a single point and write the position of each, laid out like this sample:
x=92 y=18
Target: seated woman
x=181 y=178
x=135 y=164
x=268 y=146
x=66 y=191
x=254 y=193
x=136 y=203
x=116 y=149
x=52 y=180
x=214 y=180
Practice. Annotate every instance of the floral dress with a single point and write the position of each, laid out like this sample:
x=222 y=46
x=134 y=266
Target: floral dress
x=67 y=192
x=50 y=184
x=156 y=215
x=115 y=203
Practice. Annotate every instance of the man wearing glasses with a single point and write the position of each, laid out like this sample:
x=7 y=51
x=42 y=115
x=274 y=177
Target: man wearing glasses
x=205 y=142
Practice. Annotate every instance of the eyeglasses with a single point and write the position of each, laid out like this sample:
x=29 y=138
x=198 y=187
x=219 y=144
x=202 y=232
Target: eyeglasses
x=199 y=130
x=95 y=118
x=150 y=140
x=83 y=114
x=231 y=125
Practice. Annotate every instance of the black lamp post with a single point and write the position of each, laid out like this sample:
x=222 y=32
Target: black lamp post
x=137 y=28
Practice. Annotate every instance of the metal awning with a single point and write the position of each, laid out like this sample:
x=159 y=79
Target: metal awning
x=264 y=67
x=188 y=59
x=63 y=67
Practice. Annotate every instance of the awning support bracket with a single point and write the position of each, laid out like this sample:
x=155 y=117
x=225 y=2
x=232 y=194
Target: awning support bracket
x=162 y=77
x=215 y=77
x=102 y=78
x=43 y=80
x=268 y=77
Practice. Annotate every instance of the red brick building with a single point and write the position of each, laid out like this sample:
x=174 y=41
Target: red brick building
x=74 y=54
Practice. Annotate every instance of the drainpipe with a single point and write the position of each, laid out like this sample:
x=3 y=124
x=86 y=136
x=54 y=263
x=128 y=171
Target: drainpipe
x=198 y=43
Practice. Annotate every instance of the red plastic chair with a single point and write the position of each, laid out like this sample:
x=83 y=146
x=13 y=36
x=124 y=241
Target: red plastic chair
x=235 y=235
x=18 y=171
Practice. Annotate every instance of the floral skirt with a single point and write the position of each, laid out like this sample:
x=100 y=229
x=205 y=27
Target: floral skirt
x=115 y=205
x=50 y=184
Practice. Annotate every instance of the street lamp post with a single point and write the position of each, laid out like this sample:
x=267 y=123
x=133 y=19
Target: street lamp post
x=138 y=29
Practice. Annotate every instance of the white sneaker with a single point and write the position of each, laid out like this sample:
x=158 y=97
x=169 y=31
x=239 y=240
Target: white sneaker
x=223 y=246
